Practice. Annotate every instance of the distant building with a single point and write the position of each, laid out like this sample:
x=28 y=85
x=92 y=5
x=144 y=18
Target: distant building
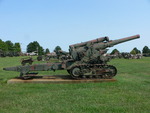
x=52 y=55
x=32 y=53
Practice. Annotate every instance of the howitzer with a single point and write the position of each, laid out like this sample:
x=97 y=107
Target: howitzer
x=88 y=60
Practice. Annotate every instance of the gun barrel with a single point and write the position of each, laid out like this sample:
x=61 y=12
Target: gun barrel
x=114 y=42
x=102 y=39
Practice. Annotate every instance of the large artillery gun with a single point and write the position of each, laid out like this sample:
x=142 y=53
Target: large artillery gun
x=88 y=60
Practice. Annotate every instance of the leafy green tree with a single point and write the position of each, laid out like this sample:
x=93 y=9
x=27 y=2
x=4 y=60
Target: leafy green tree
x=17 y=47
x=57 y=48
x=47 y=51
x=35 y=46
x=136 y=50
x=32 y=46
x=146 y=50
x=3 y=46
x=10 y=45
x=115 y=51
x=133 y=52
x=40 y=50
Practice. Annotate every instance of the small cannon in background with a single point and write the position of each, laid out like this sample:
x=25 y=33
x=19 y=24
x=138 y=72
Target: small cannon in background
x=26 y=60
x=87 y=60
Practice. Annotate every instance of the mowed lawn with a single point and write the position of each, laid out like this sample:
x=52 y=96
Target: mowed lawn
x=129 y=94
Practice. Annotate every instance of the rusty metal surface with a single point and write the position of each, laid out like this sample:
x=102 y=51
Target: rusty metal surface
x=57 y=79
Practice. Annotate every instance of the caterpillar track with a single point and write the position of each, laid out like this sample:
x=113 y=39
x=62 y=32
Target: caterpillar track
x=92 y=71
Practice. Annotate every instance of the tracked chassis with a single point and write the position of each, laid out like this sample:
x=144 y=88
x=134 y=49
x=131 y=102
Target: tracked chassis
x=90 y=71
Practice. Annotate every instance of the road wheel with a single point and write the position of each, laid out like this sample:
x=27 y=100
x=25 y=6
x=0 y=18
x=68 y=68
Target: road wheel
x=75 y=72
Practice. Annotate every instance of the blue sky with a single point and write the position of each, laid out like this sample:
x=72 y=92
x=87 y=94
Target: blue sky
x=66 y=22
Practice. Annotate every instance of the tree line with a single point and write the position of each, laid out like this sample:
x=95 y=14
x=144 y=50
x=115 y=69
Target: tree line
x=9 y=47
x=145 y=51
x=35 y=47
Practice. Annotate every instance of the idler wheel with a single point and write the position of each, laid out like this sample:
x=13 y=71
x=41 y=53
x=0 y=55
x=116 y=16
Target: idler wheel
x=111 y=72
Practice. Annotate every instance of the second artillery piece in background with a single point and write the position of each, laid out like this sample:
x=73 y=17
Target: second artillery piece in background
x=88 y=60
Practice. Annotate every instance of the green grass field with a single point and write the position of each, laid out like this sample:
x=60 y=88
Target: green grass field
x=129 y=94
